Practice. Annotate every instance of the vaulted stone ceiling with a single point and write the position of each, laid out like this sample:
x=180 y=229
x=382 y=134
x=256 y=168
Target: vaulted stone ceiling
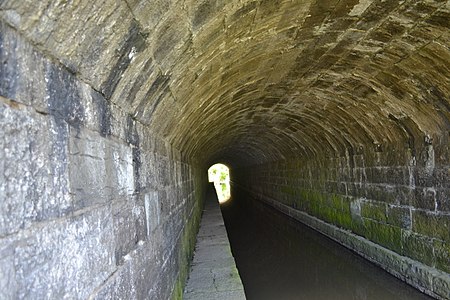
x=248 y=81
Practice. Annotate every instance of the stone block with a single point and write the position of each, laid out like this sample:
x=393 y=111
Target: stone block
x=424 y=177
x=417 y=276
x=88 y=177
x=118 y=121
x=118 y=286
x=441 y=255
x=63 y=95
x=8 y=283
x=432 y=224
x=442 y=177
x=441 y=286
x=397 y=176
x=78 y=249
x=15 y=172
x=97 y=111
x=378 y=192
x=34 y=167
x=152 y=212
x=374 y=210
x=146 y=265
x=399 y=216
x=22 y=70
x=424 y=198
x=382 y=234
x=120 y=170
x=417 y=247
x=355 y=209
x=443 y=200
x=124 y=228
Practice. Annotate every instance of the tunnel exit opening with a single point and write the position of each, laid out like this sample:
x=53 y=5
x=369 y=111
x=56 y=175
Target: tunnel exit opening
x=220 y=175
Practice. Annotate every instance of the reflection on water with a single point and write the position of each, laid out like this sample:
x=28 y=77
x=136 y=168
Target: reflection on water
x=279 y=258
x=223 y=191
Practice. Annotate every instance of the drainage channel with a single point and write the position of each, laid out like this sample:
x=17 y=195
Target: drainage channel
x=280 y=258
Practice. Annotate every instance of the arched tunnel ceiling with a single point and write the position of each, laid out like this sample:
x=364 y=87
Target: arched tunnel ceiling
x=248 y=81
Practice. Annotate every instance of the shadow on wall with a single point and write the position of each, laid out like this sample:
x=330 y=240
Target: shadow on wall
x=220 y=175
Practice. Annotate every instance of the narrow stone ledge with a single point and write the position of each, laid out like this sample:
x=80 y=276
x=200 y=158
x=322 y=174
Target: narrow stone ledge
x=213 y=273
x=428 y=280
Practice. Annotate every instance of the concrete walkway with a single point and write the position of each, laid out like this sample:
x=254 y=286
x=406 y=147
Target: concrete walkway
x=213 y=273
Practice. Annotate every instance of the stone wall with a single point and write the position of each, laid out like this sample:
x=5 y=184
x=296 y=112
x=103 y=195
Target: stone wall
x=93 y=204
x=397 y=197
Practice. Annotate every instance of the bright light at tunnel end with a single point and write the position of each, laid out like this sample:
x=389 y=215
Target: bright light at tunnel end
x=220 y=175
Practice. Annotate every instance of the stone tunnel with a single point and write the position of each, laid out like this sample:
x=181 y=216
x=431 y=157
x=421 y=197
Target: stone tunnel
x=111 y=112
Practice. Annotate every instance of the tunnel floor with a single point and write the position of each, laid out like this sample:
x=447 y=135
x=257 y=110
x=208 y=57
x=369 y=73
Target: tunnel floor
x=280 y=258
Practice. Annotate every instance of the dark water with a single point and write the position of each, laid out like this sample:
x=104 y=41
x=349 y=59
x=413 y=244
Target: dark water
x=279 y=258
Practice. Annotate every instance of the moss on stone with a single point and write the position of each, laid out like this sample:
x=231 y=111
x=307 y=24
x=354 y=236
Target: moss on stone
x=333 y=201
x=417 y=247
x=432 y=224
x=373 y=210
x=442 y=255
x=385 y=235
x=177 y=293
x=344 y=220
x=187 y=247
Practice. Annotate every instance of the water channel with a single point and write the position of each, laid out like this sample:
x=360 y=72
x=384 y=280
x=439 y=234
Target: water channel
x=279 y=258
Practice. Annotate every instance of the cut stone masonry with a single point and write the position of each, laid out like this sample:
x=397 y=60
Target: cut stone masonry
x=112 y=111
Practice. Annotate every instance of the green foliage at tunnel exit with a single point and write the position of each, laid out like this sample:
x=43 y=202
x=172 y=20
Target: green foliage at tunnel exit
x=220 y=175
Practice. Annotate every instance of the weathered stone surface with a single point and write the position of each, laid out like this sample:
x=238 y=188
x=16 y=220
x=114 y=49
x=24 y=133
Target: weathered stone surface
x=213 y=274
x=34 y=171
x=73 y=214
x=8 y=283
x=441 y=286
x=42 y=257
